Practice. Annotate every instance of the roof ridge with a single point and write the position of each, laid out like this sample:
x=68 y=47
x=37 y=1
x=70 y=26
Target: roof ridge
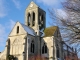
x=52 y=26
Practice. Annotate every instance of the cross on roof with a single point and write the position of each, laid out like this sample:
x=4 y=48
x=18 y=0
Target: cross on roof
x=32 y=0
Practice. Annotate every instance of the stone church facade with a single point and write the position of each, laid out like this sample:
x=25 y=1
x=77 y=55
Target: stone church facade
x=33 y=38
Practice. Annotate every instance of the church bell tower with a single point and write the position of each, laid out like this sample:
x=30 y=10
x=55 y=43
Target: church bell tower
x=35 y=17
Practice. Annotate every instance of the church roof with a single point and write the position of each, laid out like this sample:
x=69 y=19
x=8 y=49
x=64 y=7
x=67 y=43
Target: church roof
x=28 y=29
x=50 y=31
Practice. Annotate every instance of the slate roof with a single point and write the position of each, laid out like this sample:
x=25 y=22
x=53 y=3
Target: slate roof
x=28 y=29
x=50 y=31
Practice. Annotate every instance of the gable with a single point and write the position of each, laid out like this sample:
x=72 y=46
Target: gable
x=14 y=30
x=23 y=29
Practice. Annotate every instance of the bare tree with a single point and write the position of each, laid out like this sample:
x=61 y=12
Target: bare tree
x=71 y=24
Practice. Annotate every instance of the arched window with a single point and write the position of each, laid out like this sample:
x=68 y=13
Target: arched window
x=17 y=29
x=42 y=17
x=33 y=18
x=57 y=51
x=32 y=46
x=29 y=19
x=42 y=20
x=8 y=47
x=17 y=46
x=44 y=49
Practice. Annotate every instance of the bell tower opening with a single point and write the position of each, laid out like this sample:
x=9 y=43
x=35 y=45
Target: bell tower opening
x=33 y=19
x=41 y=21
x=29 y=19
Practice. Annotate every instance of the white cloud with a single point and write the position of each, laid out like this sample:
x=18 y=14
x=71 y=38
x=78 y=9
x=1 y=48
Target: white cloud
x=50 y=2
x=2 y=30
x=61 y=13
x=17 y=4
x=12 y=23
x=2 y=34
x=3 y=9
x=5 y=30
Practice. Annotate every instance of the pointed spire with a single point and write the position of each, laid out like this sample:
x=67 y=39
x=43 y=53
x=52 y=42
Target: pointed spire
x=34 y=1
x=31 y=0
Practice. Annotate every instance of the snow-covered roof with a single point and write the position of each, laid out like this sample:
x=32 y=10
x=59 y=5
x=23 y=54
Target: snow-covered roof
x=28 y=29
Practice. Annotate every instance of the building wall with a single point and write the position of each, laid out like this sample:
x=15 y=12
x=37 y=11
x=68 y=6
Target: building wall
x=17 y=46
x=3 y=55
x=49 y=43
x=52 y=49
x=17 y=41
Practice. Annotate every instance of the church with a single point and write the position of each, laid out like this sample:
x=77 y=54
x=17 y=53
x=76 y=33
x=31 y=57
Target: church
x=33 y=38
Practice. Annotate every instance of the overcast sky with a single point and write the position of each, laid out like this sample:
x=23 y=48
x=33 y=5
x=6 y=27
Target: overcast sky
x=12 y=11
